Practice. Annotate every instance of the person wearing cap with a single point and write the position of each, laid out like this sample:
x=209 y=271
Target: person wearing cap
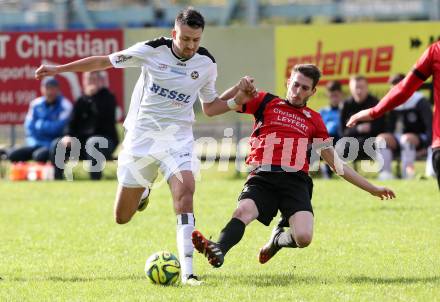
x=45 y=121
x=408 y=130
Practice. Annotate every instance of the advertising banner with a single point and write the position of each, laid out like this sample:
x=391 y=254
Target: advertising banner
x=22 y=53
x=375 y=50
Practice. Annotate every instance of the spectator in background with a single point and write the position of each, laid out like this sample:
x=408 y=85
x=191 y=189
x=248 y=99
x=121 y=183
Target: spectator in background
x=45 y=122
x=331 y=117
x=93 y=121
x=426 y=66
x=408 y=129
x=360 y=99
x=159 y=19
x=331 y=114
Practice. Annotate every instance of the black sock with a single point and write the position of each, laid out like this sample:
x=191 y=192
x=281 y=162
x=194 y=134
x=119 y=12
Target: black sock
x=285 y=239
x=231 y=235
x=436 y=164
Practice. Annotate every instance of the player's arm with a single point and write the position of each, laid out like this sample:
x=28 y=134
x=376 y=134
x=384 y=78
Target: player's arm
x=400 y=93
x=337 y=165
x=134 y=56
x=228 y=99
x=86 y=64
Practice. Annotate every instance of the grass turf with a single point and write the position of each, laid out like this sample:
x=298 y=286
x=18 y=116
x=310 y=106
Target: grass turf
x=59 y=243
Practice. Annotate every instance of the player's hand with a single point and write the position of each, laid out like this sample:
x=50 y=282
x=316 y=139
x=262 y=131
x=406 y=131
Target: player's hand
x=361 y=116
x=242 y=98
x=246 y=84
x=383 y=193
x=66 y=141
x=45 y=71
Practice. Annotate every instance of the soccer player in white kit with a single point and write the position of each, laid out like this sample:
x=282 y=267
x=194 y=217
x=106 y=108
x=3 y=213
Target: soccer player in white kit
x=159 y=122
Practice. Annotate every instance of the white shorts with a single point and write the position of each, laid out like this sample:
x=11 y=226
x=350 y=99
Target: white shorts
x=136 y=171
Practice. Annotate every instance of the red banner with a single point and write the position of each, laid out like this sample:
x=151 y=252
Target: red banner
x=22 y=53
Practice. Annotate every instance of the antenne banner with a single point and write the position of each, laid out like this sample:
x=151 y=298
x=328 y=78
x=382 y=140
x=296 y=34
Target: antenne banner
x=375 y=50
x=22 y=53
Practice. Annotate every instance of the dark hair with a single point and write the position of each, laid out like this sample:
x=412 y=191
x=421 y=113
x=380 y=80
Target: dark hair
x=189 y=16
x=309 y=70
x=358 y=78
x=396 y=78
x=334 y=86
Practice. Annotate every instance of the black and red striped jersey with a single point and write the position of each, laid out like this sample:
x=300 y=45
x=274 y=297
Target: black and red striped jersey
x=283 y=133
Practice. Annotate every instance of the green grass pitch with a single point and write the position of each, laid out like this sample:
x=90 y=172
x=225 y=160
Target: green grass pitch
x=59 y=242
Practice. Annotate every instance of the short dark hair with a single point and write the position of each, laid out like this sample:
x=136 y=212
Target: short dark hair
x=191 y=17
x=396 y=78
x=334 y=86
x=358 y=77
x=309 y=70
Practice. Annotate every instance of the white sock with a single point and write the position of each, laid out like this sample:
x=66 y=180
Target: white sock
x=145 y=194
x=408 y=156
x=185 y=227
x=429 y=169
x=387 y=155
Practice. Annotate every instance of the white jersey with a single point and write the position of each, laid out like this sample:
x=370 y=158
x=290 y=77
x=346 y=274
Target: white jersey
x=161 y=109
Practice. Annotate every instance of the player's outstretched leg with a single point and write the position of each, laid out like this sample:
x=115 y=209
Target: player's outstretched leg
x=126 y=204
x=271 y=248
x=208 y=248
x=301 y=224
x=231 y=234
x=182 y=186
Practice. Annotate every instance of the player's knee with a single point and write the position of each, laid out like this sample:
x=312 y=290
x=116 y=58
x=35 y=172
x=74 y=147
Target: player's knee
x=245 y=214
x=239 y=213
x=303 y=239
x=120 y=218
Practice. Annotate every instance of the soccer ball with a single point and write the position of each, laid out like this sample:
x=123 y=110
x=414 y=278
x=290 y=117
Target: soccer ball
x=162 y=268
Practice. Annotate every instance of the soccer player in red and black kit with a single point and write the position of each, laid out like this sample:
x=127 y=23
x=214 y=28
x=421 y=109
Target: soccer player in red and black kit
x=427 y=65
x=284 y=128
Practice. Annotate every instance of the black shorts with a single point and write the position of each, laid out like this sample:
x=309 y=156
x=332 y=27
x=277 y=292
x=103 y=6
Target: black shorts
x=288 y=192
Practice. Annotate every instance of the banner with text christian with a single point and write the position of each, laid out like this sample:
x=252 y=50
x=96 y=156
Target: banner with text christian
x=22 y=53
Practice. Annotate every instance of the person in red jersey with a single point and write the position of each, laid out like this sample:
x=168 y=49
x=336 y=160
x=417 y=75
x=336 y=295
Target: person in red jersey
x=283 y=130
x=427 y=65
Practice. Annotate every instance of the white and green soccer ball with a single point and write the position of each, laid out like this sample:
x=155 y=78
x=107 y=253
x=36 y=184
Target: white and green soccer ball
x=162 y=268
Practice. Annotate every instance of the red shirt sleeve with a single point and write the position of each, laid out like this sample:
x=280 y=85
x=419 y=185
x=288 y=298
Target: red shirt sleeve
x=400 y=93
x=252 y=106
x=321 y=138
x=321 y=129
x=425 y=64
